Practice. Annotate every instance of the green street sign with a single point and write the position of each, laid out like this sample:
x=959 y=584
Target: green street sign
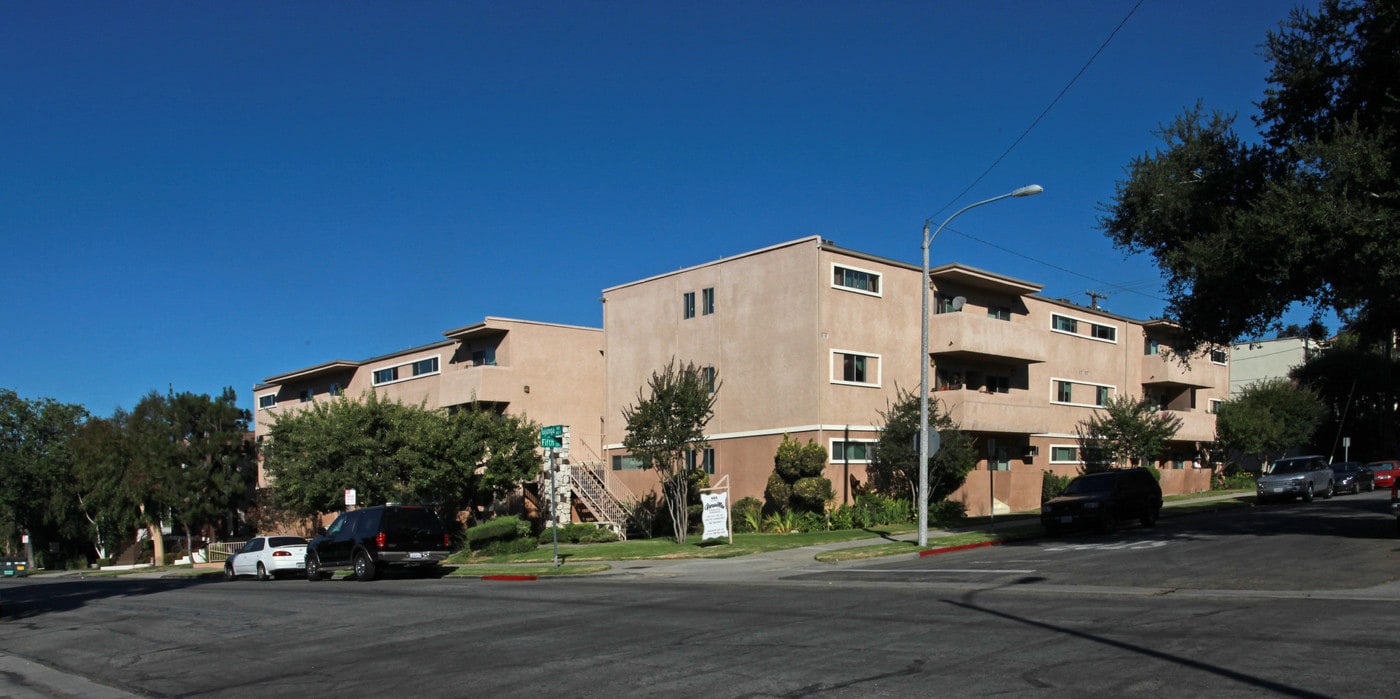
x=552 y=436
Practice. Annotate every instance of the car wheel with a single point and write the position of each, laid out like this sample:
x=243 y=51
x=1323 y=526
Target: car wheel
x=1371 y=487
x=1331 y=490
x=313 y=568
x=1149 y=517
x=1308 y=493
x=228 y=571
x=364 y=567
x=262 y=572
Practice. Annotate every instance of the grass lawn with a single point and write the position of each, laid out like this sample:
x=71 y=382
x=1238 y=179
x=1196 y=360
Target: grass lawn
x=1017 y=533
x=639 y=549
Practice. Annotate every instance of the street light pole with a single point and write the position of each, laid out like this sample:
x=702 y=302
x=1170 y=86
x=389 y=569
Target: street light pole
x=1026 y=191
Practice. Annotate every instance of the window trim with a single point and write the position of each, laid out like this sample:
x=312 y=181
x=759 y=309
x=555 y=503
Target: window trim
x=1072 y=447
x=688 y=305
x=877 y=276
x=707 y=301
x=1078 y=322
x=1211 y=353
x=267 y=401
x=399 y=375
x=838 y=377
x=1055 y=392
x=835 y=459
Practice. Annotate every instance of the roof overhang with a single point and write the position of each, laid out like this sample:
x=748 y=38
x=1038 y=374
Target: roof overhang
x=331 y=367
x=963 y=275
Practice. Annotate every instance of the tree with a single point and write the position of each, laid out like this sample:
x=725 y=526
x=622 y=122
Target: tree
x=391 y=452
x=796 y=484
x=1267 y=419
x=1126 y=431
x=1360 y=388
x=215 y=461
x=663 y=427
x=35 y=466
x=1307 y=213
x=894 y=470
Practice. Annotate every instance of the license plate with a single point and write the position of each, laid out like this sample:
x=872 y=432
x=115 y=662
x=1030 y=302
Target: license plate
x=1066 y=520
x=1278 y=490
x=415 y=554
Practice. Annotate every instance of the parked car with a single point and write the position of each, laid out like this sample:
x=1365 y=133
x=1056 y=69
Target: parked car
x=1296 y=477
x=367 y=540
x=1103 y=500
x=1385 y=472
x=267 y=557
x=1352 y=477
x=1395 y=503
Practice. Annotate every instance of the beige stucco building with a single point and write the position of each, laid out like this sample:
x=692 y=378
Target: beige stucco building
x=811 y=340
x=552 y=374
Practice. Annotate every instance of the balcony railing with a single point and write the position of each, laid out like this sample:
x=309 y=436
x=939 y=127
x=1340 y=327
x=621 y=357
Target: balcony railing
x=973 y=335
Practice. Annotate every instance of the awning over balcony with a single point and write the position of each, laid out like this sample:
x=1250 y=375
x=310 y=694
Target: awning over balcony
x=338 y=366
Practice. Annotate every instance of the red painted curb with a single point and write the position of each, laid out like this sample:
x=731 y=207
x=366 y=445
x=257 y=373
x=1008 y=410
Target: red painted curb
x=964 y=547
x=510 y=577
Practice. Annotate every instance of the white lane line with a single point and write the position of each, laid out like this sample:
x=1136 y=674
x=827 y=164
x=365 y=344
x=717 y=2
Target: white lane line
x=940 y=570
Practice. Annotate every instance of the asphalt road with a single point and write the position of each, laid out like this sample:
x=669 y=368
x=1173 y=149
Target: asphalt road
x=1283 y=600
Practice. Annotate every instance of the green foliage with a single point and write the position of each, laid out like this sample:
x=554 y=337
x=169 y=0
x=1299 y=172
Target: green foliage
x=579 y=533
x=1306 y=212
x=1052 y=485
x=946 y=512
x=779 y=522
x=37 y=496
x=391 y=452
x=1233 y=478
x=1127 y=431
x=872 y=510
x=641 y=516
x=665 y=425
x=809 y=522
x=894 y=472
x=1267 y=419
x=499 y=529
x=747 y=515
x=1359 y=385
x=796 y=483
x=505 y=547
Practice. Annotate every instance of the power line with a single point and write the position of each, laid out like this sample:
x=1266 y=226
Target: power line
x=1043 y=112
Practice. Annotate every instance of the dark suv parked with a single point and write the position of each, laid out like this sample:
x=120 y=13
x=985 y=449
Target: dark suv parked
x=368 y=539
x=1103 y=500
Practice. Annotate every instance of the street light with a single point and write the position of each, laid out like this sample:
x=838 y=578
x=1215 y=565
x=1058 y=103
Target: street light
x=1025 y=191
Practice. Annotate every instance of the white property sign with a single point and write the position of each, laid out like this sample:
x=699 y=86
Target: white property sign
x=715 y=515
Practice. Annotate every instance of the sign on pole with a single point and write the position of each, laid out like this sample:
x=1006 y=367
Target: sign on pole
x=714 y=503
x=349 y=497
x=552 y=437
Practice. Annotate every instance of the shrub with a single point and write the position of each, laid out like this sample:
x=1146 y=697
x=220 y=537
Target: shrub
x=1052 y=485
x=811 y=494
x=641 y=516
x=875 y=510
x=844 y=517
x=778 y=523
x=777 y=495
x=748 y=515
x=1233 y=479
x=502 y=547
x=809 y=522
x=1157 y=474
x=499 y=529
x=947 y=512
x=579 y=533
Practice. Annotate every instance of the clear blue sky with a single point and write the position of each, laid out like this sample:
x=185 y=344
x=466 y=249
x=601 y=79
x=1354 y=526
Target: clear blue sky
x=200 y=195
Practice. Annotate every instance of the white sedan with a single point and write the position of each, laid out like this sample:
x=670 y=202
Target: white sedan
x=268 y=556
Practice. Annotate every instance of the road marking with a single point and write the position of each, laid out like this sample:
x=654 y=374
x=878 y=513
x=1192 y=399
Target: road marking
x=941 y=570
x=1123 y=546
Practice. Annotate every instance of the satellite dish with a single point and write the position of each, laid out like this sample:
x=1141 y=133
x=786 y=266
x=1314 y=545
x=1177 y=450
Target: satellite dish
x=959 y=302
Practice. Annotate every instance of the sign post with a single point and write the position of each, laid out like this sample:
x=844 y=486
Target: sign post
x=551 y=438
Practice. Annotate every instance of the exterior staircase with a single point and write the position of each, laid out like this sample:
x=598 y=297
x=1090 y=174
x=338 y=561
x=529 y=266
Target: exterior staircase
x=593 y=493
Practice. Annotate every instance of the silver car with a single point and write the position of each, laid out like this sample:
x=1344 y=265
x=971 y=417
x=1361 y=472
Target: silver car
x=1296 y=477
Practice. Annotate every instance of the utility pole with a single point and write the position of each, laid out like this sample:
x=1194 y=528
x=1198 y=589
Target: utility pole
x=1094 y=297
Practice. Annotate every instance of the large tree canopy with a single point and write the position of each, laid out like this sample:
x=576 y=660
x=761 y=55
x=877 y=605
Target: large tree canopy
x=1306 y=212
x=1267 y=419
x=894 y=472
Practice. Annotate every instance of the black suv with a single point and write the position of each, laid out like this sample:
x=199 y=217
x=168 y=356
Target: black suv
x=368 y=539
x=1103 y=500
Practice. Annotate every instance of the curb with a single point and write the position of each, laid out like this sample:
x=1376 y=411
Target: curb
x=511 y=578
x=963 y=547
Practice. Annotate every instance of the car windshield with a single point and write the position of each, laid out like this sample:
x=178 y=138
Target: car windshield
x=286 y=541
x=1084 y=485
x=1288 y=467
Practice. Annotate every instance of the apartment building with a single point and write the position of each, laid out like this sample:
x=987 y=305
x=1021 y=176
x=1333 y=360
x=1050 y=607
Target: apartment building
x=811 y=340
x=1252 y=362
x=552 y=374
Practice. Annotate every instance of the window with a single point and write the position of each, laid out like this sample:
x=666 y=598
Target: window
x=1063 y=391
x=707 y=301
x=852 y=451
x=707 y=460
x=1150 y=346
x=688 y=303
x=386 y=375
x=267 y=401
x=707 y=375
x=1104 y=332
x=1063 y=324
x=855 y=279
x=306 y=395
x=336 y=390
x=999 y=312
x=626 y=463
x=849 y=367
x=998 y=384
x=998 y=457
x=1214 y=406
x=425 y=366
x=484 y=357
x=1064 y=455
x=1101 y=396
x=1219 y=356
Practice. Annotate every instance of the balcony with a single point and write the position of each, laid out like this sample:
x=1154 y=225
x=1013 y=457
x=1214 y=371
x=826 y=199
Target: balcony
x=468 y=383
x=979 y=411
x=1165 y=370
x=1196 y=425
x=977 y=337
